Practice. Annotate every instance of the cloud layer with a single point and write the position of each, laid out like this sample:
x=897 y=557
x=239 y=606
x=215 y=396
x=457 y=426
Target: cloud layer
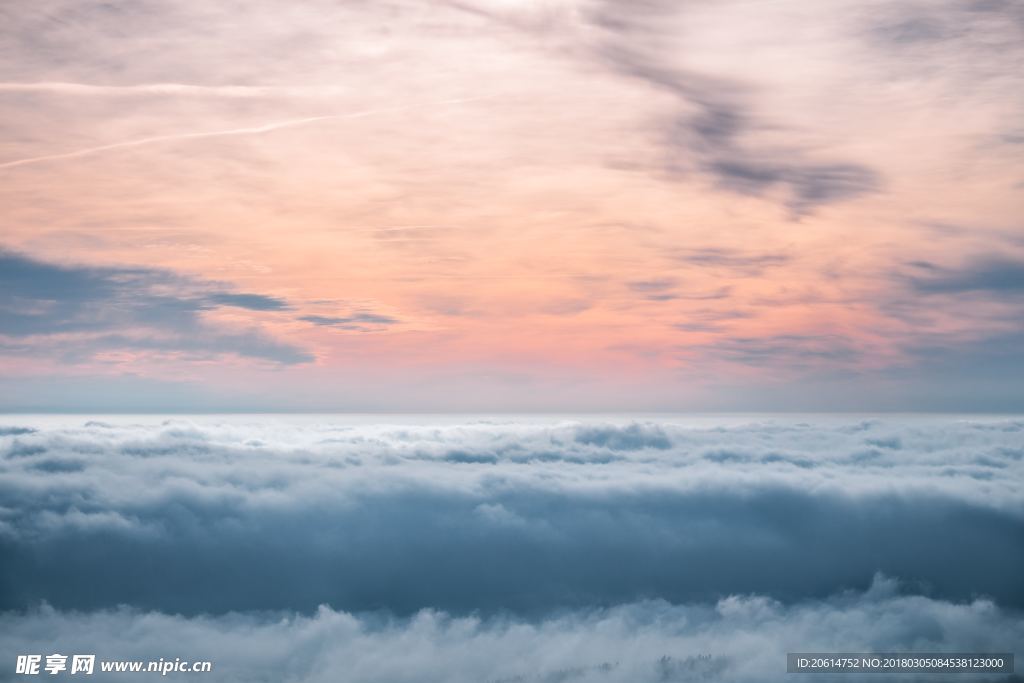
x=740 y=639
x=521 y=516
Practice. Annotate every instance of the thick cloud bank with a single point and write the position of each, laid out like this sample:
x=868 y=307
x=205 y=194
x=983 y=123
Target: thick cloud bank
x=506 y=516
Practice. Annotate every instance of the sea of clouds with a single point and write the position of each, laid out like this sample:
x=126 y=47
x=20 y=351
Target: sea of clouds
x=345 y=548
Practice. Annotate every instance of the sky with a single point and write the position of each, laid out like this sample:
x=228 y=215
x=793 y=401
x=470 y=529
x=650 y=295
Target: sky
x=512 y=205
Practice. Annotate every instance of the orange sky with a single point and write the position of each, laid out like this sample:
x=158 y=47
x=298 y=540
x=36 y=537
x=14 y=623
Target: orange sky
x=501 y=204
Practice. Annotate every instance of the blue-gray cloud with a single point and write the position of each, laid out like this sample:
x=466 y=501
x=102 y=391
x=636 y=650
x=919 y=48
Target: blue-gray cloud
x=253 y=302
x=354 y=321
x=810 y=184
x=998 y=275
x=515 y=516
x=127 y=308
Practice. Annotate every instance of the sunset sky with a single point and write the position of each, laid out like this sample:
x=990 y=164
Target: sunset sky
x=526 y=205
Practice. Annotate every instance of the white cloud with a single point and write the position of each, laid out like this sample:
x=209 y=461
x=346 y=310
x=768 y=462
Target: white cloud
x=739 y=639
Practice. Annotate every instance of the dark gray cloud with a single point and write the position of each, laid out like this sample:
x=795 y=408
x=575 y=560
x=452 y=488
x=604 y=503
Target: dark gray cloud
x=253 y=302
x=991 y=274
x=127 y=308
x=354 y=321
x=715 y=116
x=512 y=516
x=810 y=184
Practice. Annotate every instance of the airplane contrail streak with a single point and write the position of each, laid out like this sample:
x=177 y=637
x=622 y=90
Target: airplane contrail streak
x=266 y=128
x=169 y=89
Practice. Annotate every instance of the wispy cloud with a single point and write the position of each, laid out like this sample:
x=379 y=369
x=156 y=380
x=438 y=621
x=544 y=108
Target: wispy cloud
x=730 y=258
x=715 y=116
x=655 y=285
x=169 y=89
x=249 y=130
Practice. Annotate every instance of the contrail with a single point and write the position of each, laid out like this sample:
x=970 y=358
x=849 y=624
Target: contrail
x=171 y=89
x=266 y=128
